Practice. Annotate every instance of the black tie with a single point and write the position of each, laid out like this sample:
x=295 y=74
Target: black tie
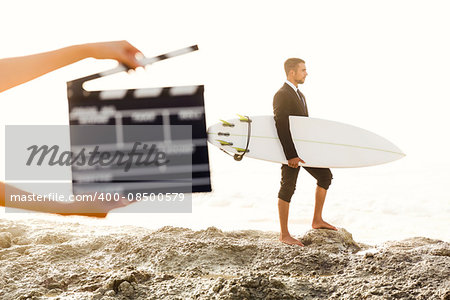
x=303 y=100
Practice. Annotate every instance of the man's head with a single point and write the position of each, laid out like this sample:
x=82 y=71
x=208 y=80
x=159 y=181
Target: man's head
x=295 y=70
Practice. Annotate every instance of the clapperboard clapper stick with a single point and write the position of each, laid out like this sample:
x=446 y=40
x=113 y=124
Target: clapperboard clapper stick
x=78 y=83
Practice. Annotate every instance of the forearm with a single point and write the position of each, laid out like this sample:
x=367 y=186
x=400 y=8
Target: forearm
x=17 y=70
x=281 y=117
x=54 y=207
x=284 y=134
x=7 y=190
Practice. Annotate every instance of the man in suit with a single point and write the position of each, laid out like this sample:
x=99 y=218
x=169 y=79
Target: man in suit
x=289 y=101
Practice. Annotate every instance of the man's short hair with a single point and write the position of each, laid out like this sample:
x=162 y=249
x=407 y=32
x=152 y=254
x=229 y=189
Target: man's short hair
x=291 y=64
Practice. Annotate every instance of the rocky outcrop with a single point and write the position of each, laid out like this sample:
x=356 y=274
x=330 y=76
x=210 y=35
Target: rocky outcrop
x=66 y=260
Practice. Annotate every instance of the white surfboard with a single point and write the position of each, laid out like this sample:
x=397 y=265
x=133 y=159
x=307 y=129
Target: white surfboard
x=320 y=143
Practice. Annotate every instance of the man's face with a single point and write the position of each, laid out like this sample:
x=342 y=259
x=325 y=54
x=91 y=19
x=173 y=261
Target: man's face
x=300 y=73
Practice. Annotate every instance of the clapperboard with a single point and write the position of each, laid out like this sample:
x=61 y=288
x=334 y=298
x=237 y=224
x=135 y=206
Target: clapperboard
x=170 y=120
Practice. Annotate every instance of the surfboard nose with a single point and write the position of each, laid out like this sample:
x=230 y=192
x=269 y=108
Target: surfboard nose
x=400 y=153
x=394 y=148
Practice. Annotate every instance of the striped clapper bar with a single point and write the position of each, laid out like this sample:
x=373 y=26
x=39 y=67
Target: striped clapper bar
x=160 y=132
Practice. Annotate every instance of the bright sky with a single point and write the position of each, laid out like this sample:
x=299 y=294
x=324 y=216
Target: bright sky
x=380 y=65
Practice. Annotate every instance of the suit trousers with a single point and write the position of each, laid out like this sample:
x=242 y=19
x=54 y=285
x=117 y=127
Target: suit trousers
x=289 y=180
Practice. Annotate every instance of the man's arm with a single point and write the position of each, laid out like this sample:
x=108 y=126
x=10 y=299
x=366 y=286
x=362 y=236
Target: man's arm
x=281 y=115
x=17 y=70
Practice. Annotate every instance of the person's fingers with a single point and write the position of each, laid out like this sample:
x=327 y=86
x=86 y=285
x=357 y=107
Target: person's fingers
x=123 y=202
x=133 y=52
x=121 y=51
x=129 y=60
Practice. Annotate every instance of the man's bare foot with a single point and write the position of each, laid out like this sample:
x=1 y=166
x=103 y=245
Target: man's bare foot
x=290 y=241
x=322 y=225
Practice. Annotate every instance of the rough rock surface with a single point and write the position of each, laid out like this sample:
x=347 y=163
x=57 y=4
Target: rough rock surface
x=42 y=260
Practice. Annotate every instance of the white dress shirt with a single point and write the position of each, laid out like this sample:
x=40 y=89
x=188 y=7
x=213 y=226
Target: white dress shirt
x=295 y=90
x=292 y=85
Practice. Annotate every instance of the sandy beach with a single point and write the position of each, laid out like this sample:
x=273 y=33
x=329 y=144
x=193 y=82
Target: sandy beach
x=63 y=260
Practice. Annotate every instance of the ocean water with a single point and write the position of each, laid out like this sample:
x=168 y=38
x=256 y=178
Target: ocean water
x=393 y=201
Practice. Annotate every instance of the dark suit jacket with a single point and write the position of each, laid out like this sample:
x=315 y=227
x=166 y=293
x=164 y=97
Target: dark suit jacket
x=286 y=103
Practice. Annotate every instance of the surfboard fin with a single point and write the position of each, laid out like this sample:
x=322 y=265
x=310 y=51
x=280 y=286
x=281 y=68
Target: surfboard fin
x=241 y=150
x=227 y=124
x=244 y=118
x=225 y=143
